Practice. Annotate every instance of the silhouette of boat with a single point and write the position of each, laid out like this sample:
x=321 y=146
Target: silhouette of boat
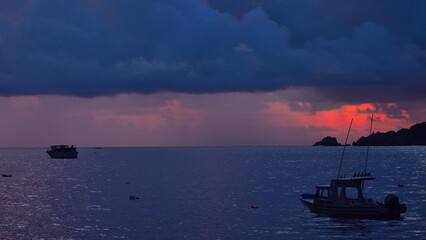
x=63 y=151
x=332 y=200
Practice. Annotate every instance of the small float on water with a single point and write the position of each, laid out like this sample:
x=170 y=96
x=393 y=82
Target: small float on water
x=133 y=197
x=332 y=199
x=63 y=151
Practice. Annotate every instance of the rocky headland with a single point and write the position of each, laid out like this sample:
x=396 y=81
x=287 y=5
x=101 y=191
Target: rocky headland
x=415 y=135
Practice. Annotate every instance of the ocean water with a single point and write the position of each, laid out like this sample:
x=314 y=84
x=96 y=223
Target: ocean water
x=201 y=193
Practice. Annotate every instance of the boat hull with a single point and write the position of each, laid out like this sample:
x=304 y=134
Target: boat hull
x=374 y=211
x=62 y=155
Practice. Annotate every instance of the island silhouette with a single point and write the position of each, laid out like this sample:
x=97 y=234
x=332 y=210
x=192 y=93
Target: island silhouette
x=328 y=141
x=415 y=135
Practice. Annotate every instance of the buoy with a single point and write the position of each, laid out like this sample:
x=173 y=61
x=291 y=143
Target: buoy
x=133 y=197
x=252 y=206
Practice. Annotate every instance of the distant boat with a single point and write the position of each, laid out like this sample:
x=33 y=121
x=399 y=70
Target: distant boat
x=98 y=147
x=332 y=200
x=63 y=151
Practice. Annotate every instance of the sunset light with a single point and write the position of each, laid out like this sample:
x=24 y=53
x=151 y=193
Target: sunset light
x=212 y=119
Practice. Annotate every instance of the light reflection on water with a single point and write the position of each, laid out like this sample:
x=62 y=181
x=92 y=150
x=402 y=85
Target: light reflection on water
x=200 y=193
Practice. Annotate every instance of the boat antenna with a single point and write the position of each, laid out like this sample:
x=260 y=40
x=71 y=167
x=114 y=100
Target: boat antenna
x=368 y=144
x=344 y=147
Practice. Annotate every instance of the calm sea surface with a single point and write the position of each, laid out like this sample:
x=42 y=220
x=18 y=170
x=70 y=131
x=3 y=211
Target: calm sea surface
x=201 y=193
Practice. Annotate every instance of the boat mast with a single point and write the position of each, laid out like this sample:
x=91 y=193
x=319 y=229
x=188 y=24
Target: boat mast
x=368 y=144
x=344 y=147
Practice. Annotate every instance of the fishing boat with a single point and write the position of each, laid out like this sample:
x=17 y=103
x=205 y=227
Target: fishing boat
x=332 y=199
x=63 y=151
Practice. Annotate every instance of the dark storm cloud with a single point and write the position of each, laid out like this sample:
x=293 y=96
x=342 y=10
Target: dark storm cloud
x=92 y=48
x=330 y=19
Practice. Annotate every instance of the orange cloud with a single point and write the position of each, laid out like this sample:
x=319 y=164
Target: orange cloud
x=336 y=122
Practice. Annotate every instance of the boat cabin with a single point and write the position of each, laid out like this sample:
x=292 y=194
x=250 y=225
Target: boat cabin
x=337 y=191
x=57 y=147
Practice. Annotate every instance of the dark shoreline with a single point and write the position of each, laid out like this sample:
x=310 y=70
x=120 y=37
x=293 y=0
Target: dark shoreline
x=414 y=136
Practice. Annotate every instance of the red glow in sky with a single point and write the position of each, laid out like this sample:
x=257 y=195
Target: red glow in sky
x=183 y=120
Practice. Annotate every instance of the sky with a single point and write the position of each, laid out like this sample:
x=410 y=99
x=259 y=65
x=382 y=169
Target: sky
x=208 y=72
